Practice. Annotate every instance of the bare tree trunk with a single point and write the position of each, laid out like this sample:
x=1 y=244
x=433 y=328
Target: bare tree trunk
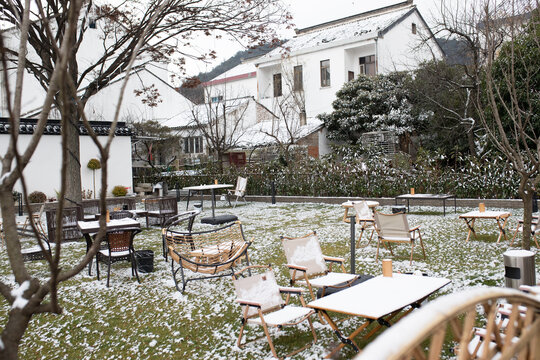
x=73 y=186
x=470 y=141
x=526 y=194
x=13 y=332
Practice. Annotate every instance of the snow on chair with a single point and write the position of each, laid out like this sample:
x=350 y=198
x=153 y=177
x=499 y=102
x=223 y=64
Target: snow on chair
x=263 y=305
x=307 y=265
x=213 y=253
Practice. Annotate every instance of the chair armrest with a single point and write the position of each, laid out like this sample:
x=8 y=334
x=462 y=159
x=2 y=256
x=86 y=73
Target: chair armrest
x=417 y=227
x=296 y=267
x=249 y=303
x=333 y=259
x=290 y=290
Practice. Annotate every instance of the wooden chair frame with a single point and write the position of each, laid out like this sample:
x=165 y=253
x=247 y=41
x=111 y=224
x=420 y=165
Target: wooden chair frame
x=535 y=227
x=451 y=319
x=36 y=219
x=260 y=313
x=413 y=234
x=214 y=252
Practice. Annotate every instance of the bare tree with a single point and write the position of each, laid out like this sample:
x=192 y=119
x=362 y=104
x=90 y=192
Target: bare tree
x=502 y=76
x=221 y=123
x=290 y=108
x=177 y=23
x=154 y=144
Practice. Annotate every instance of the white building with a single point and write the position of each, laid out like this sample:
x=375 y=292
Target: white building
x=314 y=65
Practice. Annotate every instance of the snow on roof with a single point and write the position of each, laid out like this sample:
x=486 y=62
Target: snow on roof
x=258 y=134
x=240 y=69
x=350 y=30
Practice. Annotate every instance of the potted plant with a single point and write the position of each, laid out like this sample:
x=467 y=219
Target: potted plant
x=94 y=164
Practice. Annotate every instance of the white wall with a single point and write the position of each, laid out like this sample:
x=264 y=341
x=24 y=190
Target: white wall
x=400 y=49
x=43 y=171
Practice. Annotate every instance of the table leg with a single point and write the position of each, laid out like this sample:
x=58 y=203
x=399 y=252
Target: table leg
x=213 y=202
x=344 y=340
x=444 y=206
x=188 y=196
x=88 y=244
x=202 y=199
x=502 y=231
x=408 y=209
x=455 y=205
x=470 y=225
x=345 y=219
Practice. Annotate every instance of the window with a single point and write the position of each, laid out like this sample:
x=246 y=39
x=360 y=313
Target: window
x=216 y=99
x=367 y=65
x=193 y=145
x=325 y=73
x=298 y=78
x=413 y=28
x=350 y=75
x=92 y=23
x=277 y=85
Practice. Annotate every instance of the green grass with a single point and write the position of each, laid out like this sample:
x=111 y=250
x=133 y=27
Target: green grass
x=154 y=321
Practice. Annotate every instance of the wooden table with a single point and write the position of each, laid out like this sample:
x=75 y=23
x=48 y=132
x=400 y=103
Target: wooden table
x=442 y=197
x=88 y=228
x=379 y=299
x=349 y=204
x=501 y=217
x=202 y=188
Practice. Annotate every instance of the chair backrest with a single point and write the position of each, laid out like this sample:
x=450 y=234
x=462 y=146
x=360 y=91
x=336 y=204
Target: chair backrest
x=261 y=288
x=121 y=240
x=305 y=251
x=70 y=217
x=363 y=212
x=168 y=204
x=392 y=225
x=241 y=184
x=122 y=214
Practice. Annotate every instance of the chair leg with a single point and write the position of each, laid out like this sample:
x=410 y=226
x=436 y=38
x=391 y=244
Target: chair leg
x=108 y=271
x=422 y=244
x=134 y=266
x=378 y=246
x=267 y=332
x=515 y=234
x=360 y=237
x=412 y=251
x=97 y=266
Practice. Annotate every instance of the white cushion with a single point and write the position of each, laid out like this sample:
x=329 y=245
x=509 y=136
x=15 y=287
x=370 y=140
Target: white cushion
x=105 y=252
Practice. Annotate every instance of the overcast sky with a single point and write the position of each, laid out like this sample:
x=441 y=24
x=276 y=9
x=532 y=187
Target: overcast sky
x=307 y=13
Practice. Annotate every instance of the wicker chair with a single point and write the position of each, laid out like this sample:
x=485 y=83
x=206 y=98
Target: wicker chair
x=171 y=228
x=160 y=209
x=262 y=304
x=35 y=252
x=213 y=253
x=119 y=248
x=70 y=216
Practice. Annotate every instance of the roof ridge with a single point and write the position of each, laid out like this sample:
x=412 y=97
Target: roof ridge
x=361 y=16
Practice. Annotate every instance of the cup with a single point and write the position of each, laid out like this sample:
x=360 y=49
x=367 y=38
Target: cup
x=481 y=207
x=215 y=181
x=387 y=267
x=107 y=216
x=412 y=191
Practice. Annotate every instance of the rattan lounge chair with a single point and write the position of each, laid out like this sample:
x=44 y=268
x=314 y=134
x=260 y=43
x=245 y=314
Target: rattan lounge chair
x=239 y=191
x=308 y=266
x=119 y=248
x=213 y=253
x=263 y=305
x=394 y=228
x=173 y=226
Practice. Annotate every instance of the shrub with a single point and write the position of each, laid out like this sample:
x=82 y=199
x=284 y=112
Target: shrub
x=119 y=190
x=37 y=197
x=94 y=164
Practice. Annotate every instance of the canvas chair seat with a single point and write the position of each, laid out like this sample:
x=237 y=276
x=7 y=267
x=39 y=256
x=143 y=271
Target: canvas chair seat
x=330 y=279
x=288 y=314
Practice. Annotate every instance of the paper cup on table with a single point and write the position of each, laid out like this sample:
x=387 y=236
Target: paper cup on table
x=481 y=207
x=412 y=191
x=215 y=181
x=387 y=267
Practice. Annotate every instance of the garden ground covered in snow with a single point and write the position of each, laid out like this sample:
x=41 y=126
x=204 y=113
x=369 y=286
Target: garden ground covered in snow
x=152 y=320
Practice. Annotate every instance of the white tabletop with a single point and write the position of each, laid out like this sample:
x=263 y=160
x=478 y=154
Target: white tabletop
x=93 y=226
x=485 y=214
x=370 y=203
x=425 y=196
x=208 y=187
x=380 y=296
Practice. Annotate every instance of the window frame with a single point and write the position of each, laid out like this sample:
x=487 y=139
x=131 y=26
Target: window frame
x=325 y=73
x=366 y=63
x=277 y=84
x=298 y=78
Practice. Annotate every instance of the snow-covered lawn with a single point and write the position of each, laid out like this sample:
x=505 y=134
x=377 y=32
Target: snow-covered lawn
x=154 y=321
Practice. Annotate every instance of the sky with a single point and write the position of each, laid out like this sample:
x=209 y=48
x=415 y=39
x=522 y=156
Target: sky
x=306 y=13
